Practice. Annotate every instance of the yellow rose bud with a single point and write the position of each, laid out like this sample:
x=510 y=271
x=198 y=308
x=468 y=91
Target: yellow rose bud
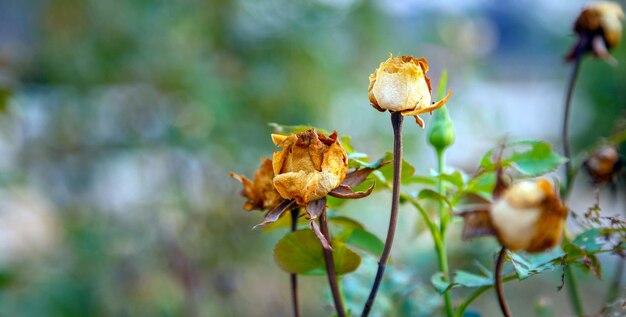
x=401 y=84
x=528 y=216
x=260 y=192
x=309 y=166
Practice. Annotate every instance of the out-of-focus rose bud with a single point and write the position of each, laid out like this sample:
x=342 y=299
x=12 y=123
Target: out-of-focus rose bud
x=441 y=134
x=528 y=216
x=604 y=165
x=260 y=192
x=309 y=166
x=599 y=29
x=401 y=84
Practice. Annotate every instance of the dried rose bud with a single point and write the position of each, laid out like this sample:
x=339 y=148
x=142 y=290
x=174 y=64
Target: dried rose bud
x=599 y=29
x=528 y=216
x=604 y=165
x=401 y=84
x=260 y=192
x=309 y=166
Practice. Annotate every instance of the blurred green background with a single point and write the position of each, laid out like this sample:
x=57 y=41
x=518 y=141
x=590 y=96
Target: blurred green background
x=120 y=121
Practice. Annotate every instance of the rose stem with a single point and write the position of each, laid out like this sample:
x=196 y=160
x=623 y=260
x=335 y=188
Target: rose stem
x=564 y=135
x=396 y=122
x=572 y=287
x=614 y=291
x=499 y=291
x=330 y=268
x=440 y=244
x=294 y=277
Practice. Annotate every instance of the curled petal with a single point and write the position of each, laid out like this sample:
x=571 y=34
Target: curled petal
x=316 y=228
x=274 y=214
x=477 y=222
x=357 y=177
x=346 y=192
x=316 y=208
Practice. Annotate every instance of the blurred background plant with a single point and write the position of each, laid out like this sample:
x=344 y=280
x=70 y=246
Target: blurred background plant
x=121 y=120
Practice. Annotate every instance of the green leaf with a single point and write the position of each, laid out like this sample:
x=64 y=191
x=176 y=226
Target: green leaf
x=431 y=194
x=364 y=162
x=443 y=82
x=347 y=145
x=345 y=223
x=460 y=279
x=300 y=252
x=529 y=265
x=589 y=240
x=439 y=284
x=416 y=179
x=530 y=158
x=387 y=171
x=365 y=241
x=291 y=129
x=538 y=160
x=455 y=178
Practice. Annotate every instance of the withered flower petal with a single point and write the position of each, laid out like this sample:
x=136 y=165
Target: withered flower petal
x=309 y=165
x=604 y=165
x=401 y=84
x=260 y=192
x=346 y=192
x=529 y=216
x=599 y=29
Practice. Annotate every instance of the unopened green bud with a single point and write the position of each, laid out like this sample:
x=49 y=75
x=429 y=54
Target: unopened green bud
x=441 y=133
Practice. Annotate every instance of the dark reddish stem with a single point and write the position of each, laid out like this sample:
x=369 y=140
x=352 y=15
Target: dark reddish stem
x=569 y=172
x=330 y=268
x=294 y=277
x=499 y=291
x=396 y=122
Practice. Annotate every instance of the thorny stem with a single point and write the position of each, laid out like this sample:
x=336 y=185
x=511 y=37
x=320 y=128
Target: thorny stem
x=396 y=122
x=572 y=286
x=330 y=268
x=501 y=299
x=441 y=246
x=294 y=277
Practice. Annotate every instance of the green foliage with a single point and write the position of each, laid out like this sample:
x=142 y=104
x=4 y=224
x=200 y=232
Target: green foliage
x=460 y=279
x=529 y=265
x=301 y=252
x=530 y=158
x=363 y=240
x=293 y=129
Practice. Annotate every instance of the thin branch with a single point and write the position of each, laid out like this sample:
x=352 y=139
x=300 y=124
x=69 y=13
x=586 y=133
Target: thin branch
x=473 y=296
x=330 y=268
x=615 y=289
x=444 y=218
x=569 y=175
x=294 y=277
x=396 y=122
x=501 y=299
x=572 y=286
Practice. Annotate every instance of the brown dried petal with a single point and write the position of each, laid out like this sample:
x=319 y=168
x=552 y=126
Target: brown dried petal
x=260 y=192
x=346 y=192
x=477 y=222
x=274 y=214
x=309 y=166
